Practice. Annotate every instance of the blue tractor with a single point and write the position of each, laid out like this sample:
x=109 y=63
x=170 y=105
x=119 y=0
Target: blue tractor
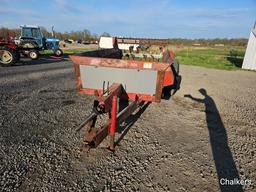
x=32 y=39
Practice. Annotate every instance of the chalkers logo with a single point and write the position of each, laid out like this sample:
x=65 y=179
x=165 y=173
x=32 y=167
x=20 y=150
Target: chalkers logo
x=235 y=181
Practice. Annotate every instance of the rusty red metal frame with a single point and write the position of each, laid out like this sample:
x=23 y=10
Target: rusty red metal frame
x=112 y=129
x=107 y=99
x=118 y=63
x=94 y=136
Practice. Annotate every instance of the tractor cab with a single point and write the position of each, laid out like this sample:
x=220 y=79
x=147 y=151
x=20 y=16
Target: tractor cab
x=32 y=37
x=29 y=32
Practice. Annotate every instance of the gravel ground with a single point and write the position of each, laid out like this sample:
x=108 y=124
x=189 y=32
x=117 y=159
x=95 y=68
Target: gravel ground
x=187 y=143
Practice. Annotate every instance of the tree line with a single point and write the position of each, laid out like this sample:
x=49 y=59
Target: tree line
x=86 y=35
x=210 y=42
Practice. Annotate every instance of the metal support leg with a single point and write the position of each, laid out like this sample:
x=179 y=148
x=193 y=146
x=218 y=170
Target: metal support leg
x=112 y=129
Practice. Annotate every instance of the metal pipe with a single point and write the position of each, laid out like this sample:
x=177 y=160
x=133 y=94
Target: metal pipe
x=89 y=118
x=112 y=129
x=126 y=112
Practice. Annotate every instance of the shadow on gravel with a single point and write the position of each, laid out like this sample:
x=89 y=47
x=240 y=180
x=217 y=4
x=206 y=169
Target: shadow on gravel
x=25 y=85
x=125 y=127
x=224 y=162
x=41 y=60
x=237 y=61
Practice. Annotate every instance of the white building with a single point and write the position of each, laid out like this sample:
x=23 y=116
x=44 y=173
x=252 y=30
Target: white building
x=108 y=43
x=250 y=54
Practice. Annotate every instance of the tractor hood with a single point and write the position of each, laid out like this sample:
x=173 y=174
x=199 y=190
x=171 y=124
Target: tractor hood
x=52 y=40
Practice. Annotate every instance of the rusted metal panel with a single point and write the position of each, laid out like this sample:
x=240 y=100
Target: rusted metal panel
x=118 y=63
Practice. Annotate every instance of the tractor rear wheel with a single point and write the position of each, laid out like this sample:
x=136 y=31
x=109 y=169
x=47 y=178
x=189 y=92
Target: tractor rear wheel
x=8 y=56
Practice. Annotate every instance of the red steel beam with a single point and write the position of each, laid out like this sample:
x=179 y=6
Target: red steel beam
x=94 y=136
x=105 y=101
x=112 y=129
x=118 y=63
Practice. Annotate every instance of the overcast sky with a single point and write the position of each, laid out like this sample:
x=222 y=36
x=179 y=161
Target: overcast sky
x=136 y=18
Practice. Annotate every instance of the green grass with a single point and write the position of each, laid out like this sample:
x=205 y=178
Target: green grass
x=66 y=51
x=211 y=57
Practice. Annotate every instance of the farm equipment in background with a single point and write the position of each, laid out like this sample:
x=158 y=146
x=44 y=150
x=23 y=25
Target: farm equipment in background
x=9 y=53
x=142 y=44
x=29 y=44
x=144 y=41
x=32 y=37
x=121 y=87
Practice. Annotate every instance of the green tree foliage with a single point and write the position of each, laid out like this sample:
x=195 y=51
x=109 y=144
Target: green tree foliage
x=45 y=32
x=84 y=35
x=210 y=42
x=105 y=34
x=6 y=33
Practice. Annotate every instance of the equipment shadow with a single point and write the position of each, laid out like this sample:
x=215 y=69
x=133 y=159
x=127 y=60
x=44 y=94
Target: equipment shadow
x=41 y=60
x=124 y=127
x=222 y=155
x=237 y=61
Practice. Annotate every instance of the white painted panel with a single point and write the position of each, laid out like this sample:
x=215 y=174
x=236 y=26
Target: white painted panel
x=133 y=80
x=106 y=43
x=125 y=46
x=250 y=54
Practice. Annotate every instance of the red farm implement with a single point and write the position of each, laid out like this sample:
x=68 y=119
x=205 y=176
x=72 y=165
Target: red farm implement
x=115 y=81
x=10 y=52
